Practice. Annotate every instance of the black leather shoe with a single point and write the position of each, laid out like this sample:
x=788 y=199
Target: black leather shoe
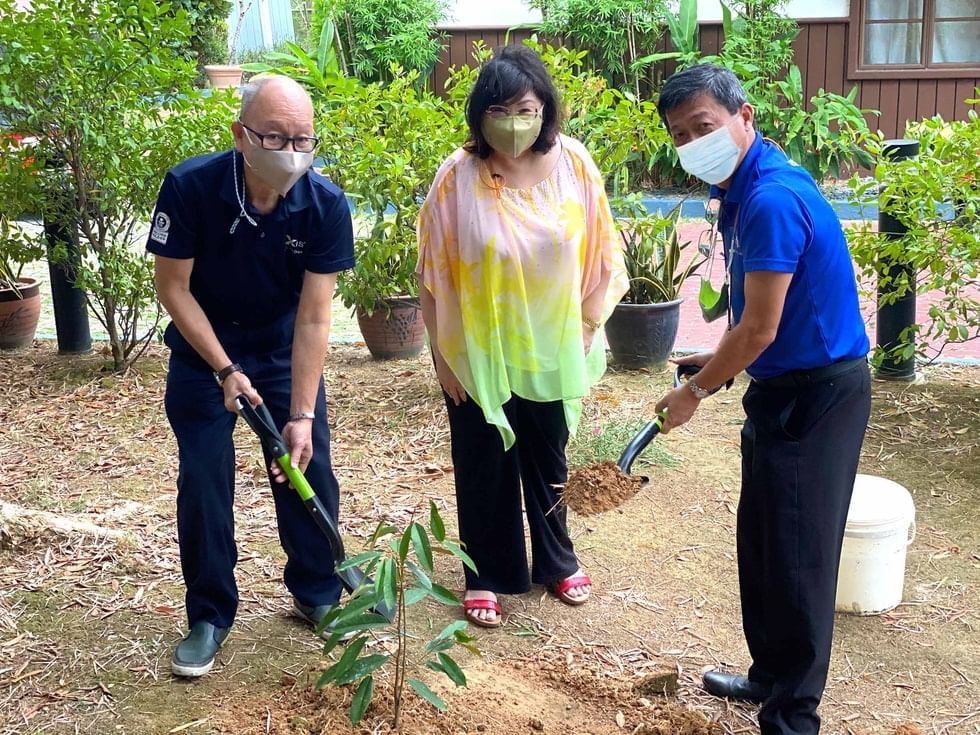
x=735 y=686
x=313 y=614
x=194 y=656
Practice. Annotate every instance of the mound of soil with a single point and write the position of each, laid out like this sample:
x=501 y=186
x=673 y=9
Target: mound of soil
x=502 y=699
x=597 y=488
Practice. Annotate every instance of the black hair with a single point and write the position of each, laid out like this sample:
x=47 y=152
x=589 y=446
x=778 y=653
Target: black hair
x=701 y=79
x=511 y=73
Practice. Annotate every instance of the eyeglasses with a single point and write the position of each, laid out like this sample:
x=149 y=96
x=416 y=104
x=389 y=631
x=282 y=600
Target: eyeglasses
x=277 y=142
x=525 y=110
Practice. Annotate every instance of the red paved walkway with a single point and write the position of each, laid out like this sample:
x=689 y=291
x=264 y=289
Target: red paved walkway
x=694 y=333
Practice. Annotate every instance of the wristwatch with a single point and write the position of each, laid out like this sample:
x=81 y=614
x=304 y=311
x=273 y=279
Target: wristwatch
x=699 y=392
x=302 y=415
x=220 y=375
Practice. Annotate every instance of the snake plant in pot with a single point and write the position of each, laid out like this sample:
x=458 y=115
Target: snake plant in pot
x=643 y=326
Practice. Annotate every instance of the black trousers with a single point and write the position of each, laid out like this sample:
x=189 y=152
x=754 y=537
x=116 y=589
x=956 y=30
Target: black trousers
x=800 y=450
x=206 y=477
x=489 y=482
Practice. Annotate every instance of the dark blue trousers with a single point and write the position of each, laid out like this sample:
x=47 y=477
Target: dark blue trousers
x=206 y=478
x=800 y=450
x=489 y=484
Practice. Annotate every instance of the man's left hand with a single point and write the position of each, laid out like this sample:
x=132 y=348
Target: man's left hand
x=298 y=437
x=681 y=404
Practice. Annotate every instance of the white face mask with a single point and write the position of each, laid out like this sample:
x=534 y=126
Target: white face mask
x=279 y=169
x=712 y=158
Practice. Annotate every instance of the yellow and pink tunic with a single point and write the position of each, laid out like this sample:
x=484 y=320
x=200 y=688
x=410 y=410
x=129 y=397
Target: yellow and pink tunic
x=513 y=272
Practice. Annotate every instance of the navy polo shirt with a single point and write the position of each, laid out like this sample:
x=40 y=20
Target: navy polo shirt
x=252 y=275
x=784 y=224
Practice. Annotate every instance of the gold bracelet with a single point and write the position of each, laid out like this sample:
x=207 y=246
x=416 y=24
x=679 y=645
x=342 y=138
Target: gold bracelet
x=590 y=322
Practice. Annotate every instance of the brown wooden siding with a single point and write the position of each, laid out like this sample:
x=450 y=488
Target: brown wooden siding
x=821 y=52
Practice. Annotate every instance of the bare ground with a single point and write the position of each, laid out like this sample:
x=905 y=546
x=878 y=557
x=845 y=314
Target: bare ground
x=87 y=626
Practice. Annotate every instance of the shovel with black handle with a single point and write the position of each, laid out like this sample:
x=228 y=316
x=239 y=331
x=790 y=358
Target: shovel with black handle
x=259 y=418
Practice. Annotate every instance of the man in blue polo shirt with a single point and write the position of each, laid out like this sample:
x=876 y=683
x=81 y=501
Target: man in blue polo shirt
x=248 y=244
x=796 y=329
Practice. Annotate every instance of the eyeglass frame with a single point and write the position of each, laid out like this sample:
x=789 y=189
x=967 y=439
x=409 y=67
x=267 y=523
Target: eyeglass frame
x=498 y=111
x=286 y=139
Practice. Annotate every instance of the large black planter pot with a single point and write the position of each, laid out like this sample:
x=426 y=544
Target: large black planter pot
x=642 y=335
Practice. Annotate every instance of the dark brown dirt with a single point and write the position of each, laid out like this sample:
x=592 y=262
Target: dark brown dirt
x=597 y=488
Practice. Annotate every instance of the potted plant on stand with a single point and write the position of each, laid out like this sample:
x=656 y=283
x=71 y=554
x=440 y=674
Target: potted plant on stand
x=643 y=326
x=221 y=76
x=382 y=144
x=20 y=295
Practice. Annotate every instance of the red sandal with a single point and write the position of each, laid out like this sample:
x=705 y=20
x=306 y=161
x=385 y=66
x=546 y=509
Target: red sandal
x=471 y=606
x=560 y=589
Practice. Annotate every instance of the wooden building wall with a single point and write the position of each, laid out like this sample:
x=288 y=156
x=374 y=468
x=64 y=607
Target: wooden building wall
x=821 y=53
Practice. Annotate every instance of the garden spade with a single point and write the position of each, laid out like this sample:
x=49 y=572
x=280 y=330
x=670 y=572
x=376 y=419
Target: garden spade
x=259 y=418
x=648 y=432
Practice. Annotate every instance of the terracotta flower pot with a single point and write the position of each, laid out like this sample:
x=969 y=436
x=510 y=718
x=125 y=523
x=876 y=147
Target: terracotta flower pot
x=19 y=313
x=221 y=76
x=397 y=333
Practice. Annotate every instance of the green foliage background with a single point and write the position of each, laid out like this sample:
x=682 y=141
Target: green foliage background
x=108 y=98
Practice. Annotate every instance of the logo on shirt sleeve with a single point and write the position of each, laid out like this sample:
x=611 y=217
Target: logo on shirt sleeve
x=161 y=228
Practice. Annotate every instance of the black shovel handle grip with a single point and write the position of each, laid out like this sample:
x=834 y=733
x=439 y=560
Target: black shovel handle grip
x=260 y=421
x=688 y=371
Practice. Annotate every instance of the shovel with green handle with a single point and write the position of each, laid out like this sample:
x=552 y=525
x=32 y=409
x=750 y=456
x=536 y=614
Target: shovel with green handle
x=260 y=420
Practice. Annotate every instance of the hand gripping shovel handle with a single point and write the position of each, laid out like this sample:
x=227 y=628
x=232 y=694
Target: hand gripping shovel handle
x=648 y=432
x=260 y=420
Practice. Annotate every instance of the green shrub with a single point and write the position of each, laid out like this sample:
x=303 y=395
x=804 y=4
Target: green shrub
x=209 y=28
x=109 y=99
x=376 y=35
x=614 y=32
x=383 y=144
x=943 y=250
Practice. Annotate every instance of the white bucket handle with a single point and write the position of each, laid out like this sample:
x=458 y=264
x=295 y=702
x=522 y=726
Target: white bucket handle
x=911 y=533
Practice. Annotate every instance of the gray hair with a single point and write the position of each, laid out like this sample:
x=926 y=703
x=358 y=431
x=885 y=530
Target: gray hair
x=698 y=80
x=257 y=83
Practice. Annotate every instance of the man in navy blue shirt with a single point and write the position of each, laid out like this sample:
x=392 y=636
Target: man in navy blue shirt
x=797 y=331
x=248 y=244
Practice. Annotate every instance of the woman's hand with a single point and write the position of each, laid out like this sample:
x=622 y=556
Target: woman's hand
x=449 y=382
x=588 y=336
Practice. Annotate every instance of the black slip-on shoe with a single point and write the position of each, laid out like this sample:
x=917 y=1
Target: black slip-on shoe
x=735 y=686
x=194 y=656
x=314 y=614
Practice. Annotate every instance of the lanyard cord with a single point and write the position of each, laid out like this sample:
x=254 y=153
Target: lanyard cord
x=239 y=195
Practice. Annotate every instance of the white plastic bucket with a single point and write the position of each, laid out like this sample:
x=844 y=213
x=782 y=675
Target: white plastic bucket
x=880 y=526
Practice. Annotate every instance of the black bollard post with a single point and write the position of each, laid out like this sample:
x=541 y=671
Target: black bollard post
x=897 y=316
x=70 y=311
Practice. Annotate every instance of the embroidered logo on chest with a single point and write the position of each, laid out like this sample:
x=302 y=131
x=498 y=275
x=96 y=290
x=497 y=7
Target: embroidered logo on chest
x=295 y=246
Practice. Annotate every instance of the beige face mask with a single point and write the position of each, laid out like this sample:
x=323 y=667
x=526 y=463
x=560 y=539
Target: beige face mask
x=279 y=169
x=511 y=134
